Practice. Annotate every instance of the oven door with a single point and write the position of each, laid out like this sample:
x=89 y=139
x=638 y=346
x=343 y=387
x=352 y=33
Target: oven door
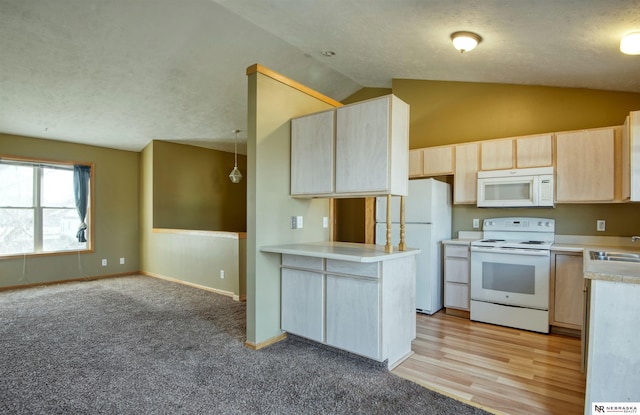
x=518 y=277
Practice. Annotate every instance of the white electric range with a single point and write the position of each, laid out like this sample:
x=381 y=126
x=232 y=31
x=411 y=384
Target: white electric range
x=510 y=273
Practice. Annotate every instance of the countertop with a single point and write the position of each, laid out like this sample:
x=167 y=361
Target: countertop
x=345 y=251
x=627 y=272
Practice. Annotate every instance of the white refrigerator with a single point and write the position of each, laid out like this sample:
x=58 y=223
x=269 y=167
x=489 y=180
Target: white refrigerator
x=427 y=224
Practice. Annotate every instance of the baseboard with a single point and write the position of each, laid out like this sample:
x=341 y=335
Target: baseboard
x=268 y=342
x=457 y=313
x=79 y=279
x=190 y=284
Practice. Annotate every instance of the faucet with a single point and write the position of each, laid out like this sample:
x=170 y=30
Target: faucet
x=635 y=238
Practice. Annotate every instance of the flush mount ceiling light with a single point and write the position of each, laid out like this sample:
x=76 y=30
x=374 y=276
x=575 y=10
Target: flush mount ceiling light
x=630 y=44
x=465 y=41
x=235 y=176
x=328 y=53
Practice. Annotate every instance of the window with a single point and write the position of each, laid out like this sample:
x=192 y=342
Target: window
x=38 y=212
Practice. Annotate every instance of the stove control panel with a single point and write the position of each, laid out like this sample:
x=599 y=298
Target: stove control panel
x=519 y=224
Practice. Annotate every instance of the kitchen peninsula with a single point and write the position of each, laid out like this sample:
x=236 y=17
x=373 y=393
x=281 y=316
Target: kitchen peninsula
x=354 y=297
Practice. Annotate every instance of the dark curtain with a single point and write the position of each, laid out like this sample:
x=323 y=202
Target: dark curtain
x=81 y=176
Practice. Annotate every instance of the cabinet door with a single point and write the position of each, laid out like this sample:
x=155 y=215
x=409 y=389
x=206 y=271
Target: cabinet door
x=634 y=154
x=415 y=163
x=303 y=303
x=534 y=151
x=585 y=166
x=362 y=147
x=456 y=296
x=465 y=186
x=353 y=315
x=568 y=290
x=312 y=154
x=438 y=161
x=456 y=270
x=496 y=155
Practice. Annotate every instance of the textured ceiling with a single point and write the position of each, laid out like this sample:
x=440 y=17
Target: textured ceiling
x=119 y=73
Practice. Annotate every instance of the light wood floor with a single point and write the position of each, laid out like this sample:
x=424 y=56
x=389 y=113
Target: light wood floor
x=502 y=370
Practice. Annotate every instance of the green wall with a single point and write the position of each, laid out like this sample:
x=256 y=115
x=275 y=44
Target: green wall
x=271 y=104
x=116 y=213
x=193 y=257
x=457 y=112
x=192 y=190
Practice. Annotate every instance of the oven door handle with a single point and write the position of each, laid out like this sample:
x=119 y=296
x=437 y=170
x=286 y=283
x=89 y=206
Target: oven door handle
x=511 y=251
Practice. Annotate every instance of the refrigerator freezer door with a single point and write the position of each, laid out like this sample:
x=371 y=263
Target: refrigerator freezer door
x=429 y=284
x=426 y=197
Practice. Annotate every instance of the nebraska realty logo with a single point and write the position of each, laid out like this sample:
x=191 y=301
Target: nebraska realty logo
x=615 y=408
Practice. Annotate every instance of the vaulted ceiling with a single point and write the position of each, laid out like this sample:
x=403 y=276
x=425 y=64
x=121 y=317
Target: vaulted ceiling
x=119 y=73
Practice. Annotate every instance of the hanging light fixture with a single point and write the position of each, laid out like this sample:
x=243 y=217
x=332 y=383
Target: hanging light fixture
x=235 y=174
x=465 y=41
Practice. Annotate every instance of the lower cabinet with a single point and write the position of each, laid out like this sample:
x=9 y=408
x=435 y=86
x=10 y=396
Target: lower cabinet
x=567 y=294
x=302 y=303
x=364 y=308
x=353 y=315
x=456 y=277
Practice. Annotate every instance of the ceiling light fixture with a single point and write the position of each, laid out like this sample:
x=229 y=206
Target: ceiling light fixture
x=465 y=41
x=630 y=44
x=235 y=176
x=328 y=53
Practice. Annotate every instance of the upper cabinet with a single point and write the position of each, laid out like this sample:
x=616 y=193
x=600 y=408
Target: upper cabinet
x=367 y=150
x=372 y=147
x=517 y=152
x=465 y=188
x=534 y=151
x=585 y=166
x=312 y=144
x=630 y=163
x=497 y=154
x=431 y=161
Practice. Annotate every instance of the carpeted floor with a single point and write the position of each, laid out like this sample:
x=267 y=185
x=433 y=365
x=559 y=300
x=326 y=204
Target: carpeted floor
x=138 y=345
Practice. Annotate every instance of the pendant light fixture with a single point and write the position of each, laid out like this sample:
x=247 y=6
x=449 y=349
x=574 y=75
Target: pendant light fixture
x=235 y=174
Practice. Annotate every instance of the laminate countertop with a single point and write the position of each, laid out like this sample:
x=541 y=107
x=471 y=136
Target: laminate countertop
x=345 y=251
x=618 y=271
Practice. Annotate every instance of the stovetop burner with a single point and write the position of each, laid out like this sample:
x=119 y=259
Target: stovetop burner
x=532 y=242
x=492 y=240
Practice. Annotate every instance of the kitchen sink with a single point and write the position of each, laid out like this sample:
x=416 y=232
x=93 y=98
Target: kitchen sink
x=615 y=256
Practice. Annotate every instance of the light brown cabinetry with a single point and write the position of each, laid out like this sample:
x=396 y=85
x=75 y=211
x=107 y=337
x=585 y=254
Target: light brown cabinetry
x=438 y=161
x=497 y=154
x=585 y=166
x=534 y=151
x=630 y=158
x=465 y=188
x=567 y=293
x=416 y=162
x=456 y=276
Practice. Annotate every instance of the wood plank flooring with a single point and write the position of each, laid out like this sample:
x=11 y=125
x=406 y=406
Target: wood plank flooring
x=500 y=369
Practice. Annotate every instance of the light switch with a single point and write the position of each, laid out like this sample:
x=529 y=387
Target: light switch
x=600 y=225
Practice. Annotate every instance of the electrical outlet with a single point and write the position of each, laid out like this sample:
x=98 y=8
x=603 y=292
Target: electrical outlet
x=476 y=223
x=600 y=225
x=221 y=274
x=122 y=261
x=325 y=221
x=104 y=262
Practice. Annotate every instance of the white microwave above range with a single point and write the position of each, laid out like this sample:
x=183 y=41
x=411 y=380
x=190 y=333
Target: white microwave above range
x=532 y=187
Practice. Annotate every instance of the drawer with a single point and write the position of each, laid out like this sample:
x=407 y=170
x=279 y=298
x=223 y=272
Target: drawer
x=456 y=270
x=363 y=269
x=461 y=251
x=305 y=262
x=456 y=296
